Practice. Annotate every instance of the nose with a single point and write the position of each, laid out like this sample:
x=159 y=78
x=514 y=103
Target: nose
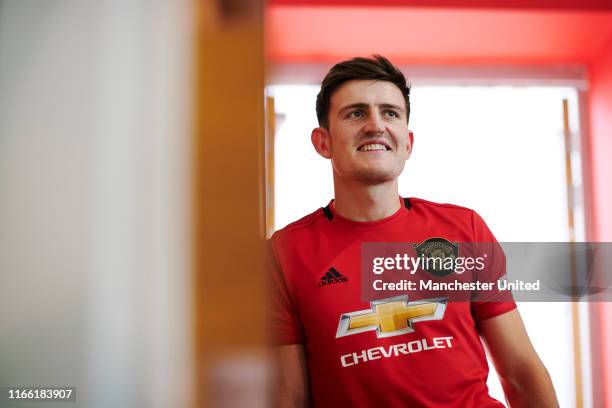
x=374 y=124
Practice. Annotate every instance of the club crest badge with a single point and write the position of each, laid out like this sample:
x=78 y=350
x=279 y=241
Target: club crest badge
x=438 y=256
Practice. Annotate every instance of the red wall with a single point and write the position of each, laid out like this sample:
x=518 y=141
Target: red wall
x=487 y=4
x=601 y=153
x=435 y=36
x=601 y=128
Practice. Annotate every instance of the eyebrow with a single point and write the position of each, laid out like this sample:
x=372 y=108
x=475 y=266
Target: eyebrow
x=361 y=105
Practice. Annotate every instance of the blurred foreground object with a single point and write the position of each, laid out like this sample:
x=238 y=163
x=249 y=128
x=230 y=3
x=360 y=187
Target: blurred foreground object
x=95 y=200
x=229 y=205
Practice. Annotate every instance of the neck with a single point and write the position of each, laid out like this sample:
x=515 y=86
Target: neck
x=359 y=202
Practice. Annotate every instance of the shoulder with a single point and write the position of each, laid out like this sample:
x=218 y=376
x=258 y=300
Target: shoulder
x=459 y=217
x=302 y=226
x=425 y=205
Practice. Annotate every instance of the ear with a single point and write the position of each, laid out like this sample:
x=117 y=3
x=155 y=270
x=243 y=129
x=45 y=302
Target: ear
x=321 y=141
x=410 y=143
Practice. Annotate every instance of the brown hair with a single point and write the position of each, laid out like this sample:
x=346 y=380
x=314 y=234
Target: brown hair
x=378 y=68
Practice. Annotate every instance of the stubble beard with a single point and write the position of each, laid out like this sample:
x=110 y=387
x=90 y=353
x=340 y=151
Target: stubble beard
x=374 y=176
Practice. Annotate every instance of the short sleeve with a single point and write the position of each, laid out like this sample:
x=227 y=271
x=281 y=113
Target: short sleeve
x=494 y=303
x=283 y=325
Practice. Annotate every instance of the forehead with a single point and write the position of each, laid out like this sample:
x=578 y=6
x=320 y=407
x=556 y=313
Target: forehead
x=366 y=91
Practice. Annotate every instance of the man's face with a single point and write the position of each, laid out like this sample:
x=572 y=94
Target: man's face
x=368 y=138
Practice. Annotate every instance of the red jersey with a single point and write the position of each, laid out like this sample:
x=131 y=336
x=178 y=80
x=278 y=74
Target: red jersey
x=437 y=361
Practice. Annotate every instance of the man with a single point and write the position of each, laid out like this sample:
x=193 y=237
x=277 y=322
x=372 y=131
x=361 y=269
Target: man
x=326 y=359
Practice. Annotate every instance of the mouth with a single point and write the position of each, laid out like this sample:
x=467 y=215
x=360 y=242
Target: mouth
x=374 y=147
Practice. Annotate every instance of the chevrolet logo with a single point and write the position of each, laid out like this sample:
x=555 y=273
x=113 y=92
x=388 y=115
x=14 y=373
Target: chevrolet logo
x=391 y=316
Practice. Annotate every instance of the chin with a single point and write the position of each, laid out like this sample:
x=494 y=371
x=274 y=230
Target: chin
x=373 y=177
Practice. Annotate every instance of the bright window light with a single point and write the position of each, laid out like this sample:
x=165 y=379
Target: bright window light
x=498 y=150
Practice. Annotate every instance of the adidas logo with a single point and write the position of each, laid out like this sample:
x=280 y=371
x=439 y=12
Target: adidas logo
x=332 y=276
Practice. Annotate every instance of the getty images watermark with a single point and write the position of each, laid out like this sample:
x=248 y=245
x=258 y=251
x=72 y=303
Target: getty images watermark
x=466 y=271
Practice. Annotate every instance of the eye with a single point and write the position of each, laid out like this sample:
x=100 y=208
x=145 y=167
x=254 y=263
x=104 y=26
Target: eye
x=391 y=113
x=356 y=114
